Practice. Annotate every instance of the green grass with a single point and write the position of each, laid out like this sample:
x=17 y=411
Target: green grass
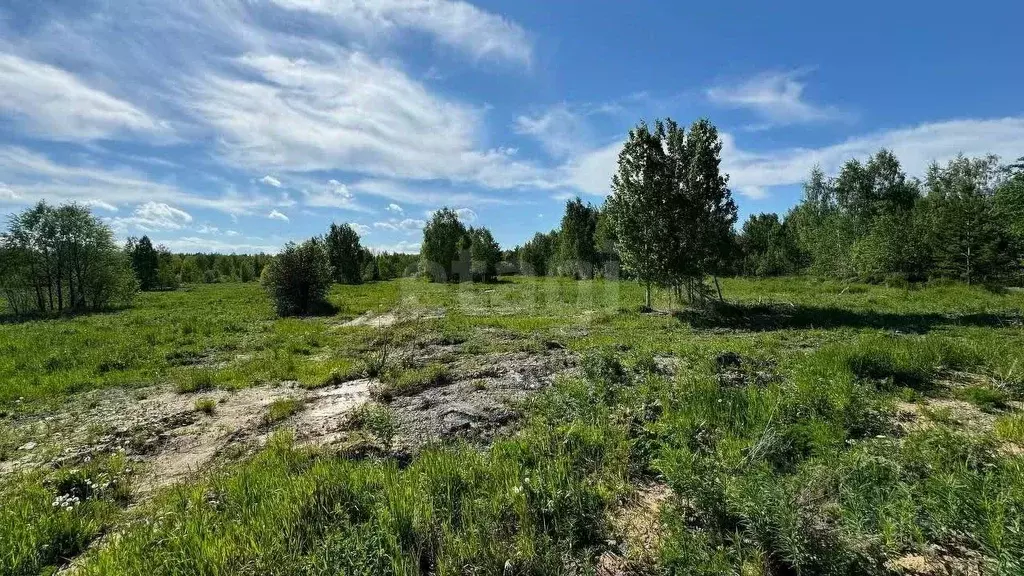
x=399 y=382
x=1010 y=428
x=281 y=409
x=49 y=518
x=788 y=460
x=206 y=405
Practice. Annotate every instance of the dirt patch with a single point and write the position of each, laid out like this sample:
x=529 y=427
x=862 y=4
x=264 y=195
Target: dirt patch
x=638 y=532
x=165 y=432
x=392 y=317
x=480 y=402
x=930 y=412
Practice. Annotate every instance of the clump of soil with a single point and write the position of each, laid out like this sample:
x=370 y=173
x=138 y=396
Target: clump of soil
x=479 y=402
x=736 y=370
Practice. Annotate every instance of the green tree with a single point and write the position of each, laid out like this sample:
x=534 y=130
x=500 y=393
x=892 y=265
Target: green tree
x=703 y=204
x=641 y=190
x=63 y=258
x=371 y=272
x=768 y=246
x=577 y=254
x=968 y=238
x=345 y=254
x=485 y=254
x=440 y=251
x=537 y=253
x=145 y=262
x=298 y=278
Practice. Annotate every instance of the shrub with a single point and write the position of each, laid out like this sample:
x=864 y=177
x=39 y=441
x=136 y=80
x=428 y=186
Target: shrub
x=298 y=278
x=206 y=405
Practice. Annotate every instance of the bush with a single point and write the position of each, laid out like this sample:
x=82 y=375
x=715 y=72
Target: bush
x=298 y=278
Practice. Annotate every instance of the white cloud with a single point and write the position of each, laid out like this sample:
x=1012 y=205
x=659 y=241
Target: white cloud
x=405 y=247
x=752 y=174
x=361 y=229
x=591 y=172
x=454 y=23
x=100 y=204
x=207 y=229
x=559 y=130
x=55 y=104
x=916 y=147
x=231 y=233
x=405 y=225
x=277 y=215
x=8 y=193
x=345 y=109
x=424 y=196
x=466 y=215
x=394 y=208
x=332 y=195
x=271 y=181
x=153 y=216
x=37 y=177
x=189 y=244
x=775 y=96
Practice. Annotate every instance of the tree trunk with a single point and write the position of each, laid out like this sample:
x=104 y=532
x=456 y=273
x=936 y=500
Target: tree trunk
x=647 y=296
x=719 y=287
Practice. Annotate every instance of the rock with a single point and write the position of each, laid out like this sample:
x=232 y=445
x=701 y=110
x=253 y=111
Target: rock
x=28 y=446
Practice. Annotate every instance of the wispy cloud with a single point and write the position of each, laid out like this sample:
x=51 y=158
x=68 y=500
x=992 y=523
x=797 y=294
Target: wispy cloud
x=277 y=215
x=188 y=244
x=153 y=216
x=347 y=109
x=53 y=103
x=33 y=176
x=406 y=225
x=271 y=181
x=753 y=174
x=559 y=129
x=776 y=97
x=454 y=23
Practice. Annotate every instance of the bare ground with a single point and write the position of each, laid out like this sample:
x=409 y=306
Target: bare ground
x=172 y=440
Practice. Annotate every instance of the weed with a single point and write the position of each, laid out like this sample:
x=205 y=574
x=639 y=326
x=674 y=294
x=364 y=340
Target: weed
x=206 y=405
x=281 y=409
x=413 y=381
x=197 y=380
x=1010 y=428
x=985 y=397
x=376 y=419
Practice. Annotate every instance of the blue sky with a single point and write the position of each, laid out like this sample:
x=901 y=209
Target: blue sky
x=237 y=125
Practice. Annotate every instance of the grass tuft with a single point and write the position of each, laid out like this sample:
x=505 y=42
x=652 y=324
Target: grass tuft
x=281 y=409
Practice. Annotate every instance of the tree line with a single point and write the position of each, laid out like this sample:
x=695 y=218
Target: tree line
x=871 y=222
x=669 y=221
x=62 y=259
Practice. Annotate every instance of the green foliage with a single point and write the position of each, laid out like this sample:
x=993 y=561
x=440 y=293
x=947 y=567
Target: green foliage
x=768 y=247
x=48 y=519
x=206 y=405
x=442 y=238
x=536 y=255
x=281 y=409
x=399 y=382
x=298 y=278
x=485 y=254
x=671 y=207
x=577 y=256
x=63 y=258
x=345 y=254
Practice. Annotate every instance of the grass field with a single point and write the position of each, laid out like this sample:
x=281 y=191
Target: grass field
x=803 y=427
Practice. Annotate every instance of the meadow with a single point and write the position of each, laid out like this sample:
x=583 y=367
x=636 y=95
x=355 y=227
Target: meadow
x=802 y=426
